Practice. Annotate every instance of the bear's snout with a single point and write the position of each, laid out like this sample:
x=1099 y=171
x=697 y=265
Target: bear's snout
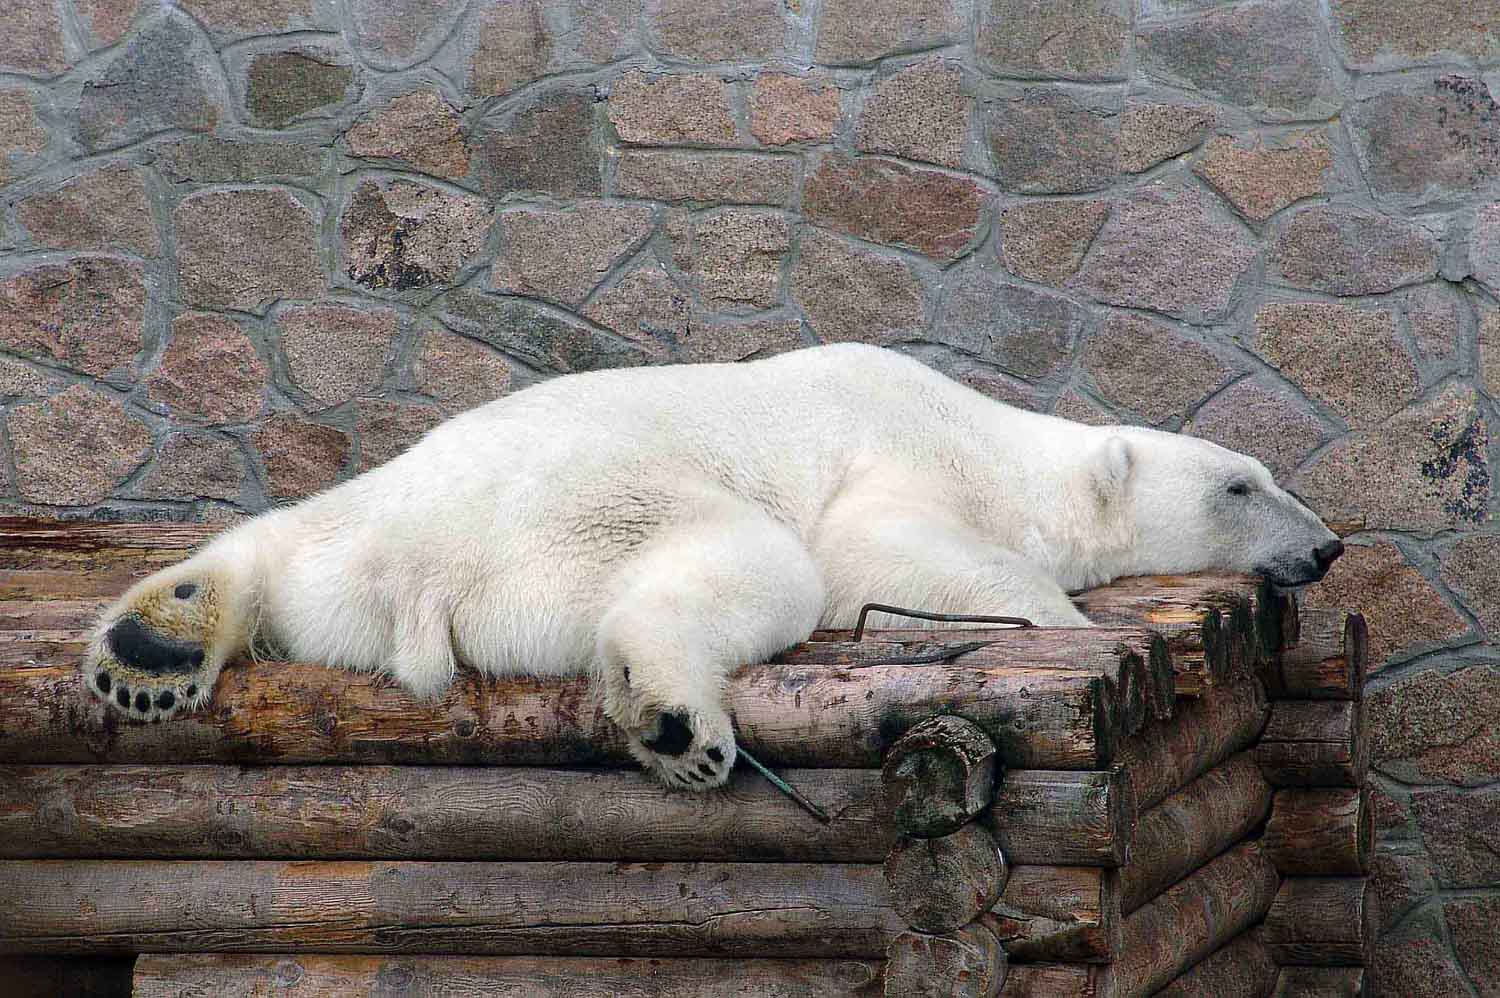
x=138 y=646
x=1327 y=554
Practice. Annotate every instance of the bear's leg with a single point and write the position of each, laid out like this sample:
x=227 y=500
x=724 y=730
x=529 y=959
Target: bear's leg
x=731 y=587
x=921 y=558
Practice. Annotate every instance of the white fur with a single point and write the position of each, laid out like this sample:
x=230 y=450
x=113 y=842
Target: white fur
x=679 y=521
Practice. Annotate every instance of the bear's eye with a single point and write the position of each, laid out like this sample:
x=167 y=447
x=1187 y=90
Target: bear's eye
x=1239 y=489
x=185 y=590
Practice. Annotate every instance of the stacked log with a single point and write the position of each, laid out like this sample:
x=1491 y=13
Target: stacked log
x=1016 y=812
x=1320 y=835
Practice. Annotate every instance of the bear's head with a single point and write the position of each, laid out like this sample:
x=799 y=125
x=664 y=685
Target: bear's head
x=159 y=648
x=1189 y=505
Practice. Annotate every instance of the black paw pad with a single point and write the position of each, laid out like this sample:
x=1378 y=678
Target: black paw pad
x=714 y=754
x=705 y=768
x=102 y=681
x=143 y=701
x=166 y=700
x=122 y=696
x=674 y=737
x=192 y=691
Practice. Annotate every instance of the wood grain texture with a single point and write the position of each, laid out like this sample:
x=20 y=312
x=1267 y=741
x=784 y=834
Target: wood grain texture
x=1241 y=968
x=470 y=813
x=312 y=975
x=429 y=812
x=1080 y=819
x=502 y=909
x=1315 y=743
x=1322 y=921
x=1057 y=980
x=1320 y=982
x=1329 y=661
x=941 y=884
x=1059 y=914
x=1192 y=826
x=939 y=776
x=1321 y=832
x=1192 y=919
x=1204 y=732
x=816 y=715
x=967 y=963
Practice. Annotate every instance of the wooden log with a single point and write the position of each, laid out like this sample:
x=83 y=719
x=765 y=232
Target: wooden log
x=1192 y=919
x=1320 y=832
x=1074 y=819
x=1057 y=980
x=1192 y=826
x=968 y=963
x=1123 y=654
x=504 y=909
x=474 y=813
x=1118 y=653
x=1240 y=969
x=1329 y=661
x=787 y=715
x=321 y=975
x=1315 y=743
x=1204 y=732
x=1059 y=914
x=435 y=813
x=1320 y=982
x=1322 y=921
x=1207 y=619
x=941 y=884
x=939 y=775
x=64 y=977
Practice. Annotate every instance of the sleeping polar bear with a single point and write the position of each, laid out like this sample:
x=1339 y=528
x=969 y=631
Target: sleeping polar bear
x=660 y=526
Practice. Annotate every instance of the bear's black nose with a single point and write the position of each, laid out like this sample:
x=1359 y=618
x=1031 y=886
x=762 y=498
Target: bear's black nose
x=136 y=645
x=1326 y=554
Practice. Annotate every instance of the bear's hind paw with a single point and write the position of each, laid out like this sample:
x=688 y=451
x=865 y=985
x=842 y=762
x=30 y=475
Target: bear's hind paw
x=685 y=750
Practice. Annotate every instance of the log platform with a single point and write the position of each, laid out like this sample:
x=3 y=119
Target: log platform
x=1169 y=803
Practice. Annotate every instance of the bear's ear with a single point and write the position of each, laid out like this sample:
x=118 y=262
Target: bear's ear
x=1109 y=469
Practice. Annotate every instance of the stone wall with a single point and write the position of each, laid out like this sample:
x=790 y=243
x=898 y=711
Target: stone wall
x=250 y=247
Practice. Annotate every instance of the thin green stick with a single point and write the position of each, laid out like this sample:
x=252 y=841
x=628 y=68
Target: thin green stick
x=787 y=788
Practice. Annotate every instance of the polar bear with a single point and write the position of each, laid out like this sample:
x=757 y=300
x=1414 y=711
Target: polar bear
x=658 y=527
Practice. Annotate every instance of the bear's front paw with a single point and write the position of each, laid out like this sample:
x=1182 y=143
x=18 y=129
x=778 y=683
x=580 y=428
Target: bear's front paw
x=694 y=750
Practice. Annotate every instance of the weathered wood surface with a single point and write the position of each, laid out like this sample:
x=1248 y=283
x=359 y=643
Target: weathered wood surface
x=1320 y=982
x=1120 y=654
x=1240 y=969
x=469 y=813
x=509 y=909
x=813 y=715
x=313 y=975
x=1320 y=832
x=967 y=963
x=1071 y=818
x=1056 y=980
x=1322 y=921
x=1315 y=743
x=1328 y=662
x=940 y=775
x=430 y=812
x=64 y=977
x=1216 y=625
x=1060 y=914
x=1192 y=919
x=1166 y=757
x=941 y=884
x=1192 y=826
